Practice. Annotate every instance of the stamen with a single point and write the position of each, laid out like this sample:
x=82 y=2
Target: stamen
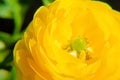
x=80 y=49
x=74 y=53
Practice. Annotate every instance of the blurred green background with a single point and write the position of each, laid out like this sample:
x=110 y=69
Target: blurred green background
x=15 y=15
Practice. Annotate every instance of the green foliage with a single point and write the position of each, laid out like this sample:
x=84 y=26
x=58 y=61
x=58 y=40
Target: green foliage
x=45 y=2
x=5 y=75
x=10 y=9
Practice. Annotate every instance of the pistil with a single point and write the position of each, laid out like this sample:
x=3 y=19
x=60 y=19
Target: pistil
x=79 y=48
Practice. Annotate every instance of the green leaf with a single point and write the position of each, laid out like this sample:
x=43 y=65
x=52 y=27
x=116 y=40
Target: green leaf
x=45 y=2
x=2 y=45
x=5 y=11
x=5 y=37
x=12 y=9
x=8 y=59
x=10 y=39
x=4 y=74
x=13 y=71
x=16 y=10
x=3 y=55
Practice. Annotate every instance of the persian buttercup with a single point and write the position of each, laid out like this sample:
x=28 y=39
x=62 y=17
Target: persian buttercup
x=70 y=40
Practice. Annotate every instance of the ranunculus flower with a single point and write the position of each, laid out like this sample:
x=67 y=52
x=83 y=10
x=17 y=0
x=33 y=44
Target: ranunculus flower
x=71 y=40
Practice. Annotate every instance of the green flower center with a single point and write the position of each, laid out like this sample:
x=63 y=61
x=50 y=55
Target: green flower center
x=79 y=47
x=79 y=44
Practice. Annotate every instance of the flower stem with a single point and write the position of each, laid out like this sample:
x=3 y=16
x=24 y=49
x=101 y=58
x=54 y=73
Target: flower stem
x=45 y=2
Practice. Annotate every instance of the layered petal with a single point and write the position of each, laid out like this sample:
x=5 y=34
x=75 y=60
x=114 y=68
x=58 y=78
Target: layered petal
x=45 y=52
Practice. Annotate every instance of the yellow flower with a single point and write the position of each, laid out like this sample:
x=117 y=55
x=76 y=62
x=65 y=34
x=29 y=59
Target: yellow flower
x=71 y=40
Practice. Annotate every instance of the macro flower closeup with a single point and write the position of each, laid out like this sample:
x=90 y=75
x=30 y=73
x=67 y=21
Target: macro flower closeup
x=70 y=40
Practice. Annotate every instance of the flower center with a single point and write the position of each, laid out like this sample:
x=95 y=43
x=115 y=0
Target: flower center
x=80 y=48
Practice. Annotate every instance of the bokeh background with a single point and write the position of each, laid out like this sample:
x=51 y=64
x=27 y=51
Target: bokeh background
x=15 y=15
